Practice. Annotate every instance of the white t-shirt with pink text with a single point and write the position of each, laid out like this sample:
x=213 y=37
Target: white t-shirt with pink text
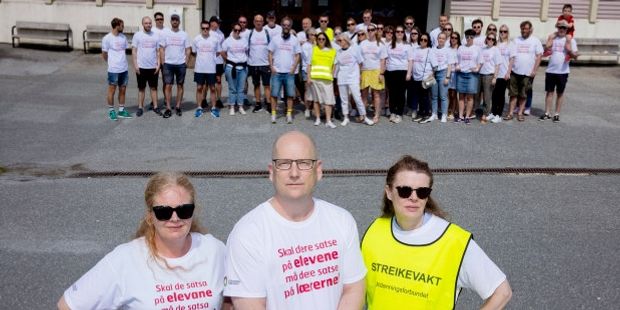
x=236 y=49
x=348 y=65
x=115 y=46
x=468 y=57
x=206 y=49
x=557 y=61
x=294 y=265
x=129 y=278
x=491 y=57
x=284 y=52
x=399 y=56
x=174 y=44
x=526 y=51
x=373 y=54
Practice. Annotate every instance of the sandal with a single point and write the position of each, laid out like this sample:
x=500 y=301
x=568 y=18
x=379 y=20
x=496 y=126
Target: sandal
x=520 y=118
x=508 y=117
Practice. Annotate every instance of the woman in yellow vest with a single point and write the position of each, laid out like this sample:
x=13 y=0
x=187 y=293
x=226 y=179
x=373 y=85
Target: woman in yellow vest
x=418 y=260
x=321 y=72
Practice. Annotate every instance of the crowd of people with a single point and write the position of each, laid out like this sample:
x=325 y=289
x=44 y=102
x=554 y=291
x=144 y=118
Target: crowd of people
x=352 y=73
x=294 y=251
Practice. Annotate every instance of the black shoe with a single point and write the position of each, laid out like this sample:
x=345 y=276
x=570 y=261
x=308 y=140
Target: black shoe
x=544 y=117
x=167 y=113
x=139 y=112
x=219 y=104
x=203 y=104
x=151 y=106
x=178 y=111
x=556 y=119
x=257 y=108
x=268 y=108
x=246 y=101
x=157 y=111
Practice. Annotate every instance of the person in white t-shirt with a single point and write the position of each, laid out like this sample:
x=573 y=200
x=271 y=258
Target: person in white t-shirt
x=374 y=53
x=468 y=62
x=506 y=49
x=556 y=75
x=412 y=237
x=214 y=29
x=272 y=27
x=479 y=38
x=258 y=62
x=443 y=20
x=349 y=60
x=367 y=20
x=351 y=29
x=175 y=46
x=284 y=57
x=171 y=263
x=399 y=67
x=159 y=30
x=527 y=54
x=422 y=70
x=235 y=53
x=442 y=60
x=145 y=53
x=113 y=46
x=207 y=48
x=295 y=251
x=491 y=61
x=302 y=36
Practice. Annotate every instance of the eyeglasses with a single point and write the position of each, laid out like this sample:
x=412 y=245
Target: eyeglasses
x=447 y=29
x=361 y=34
x=159 y=19
x=399 y=31
x=322 y=21
x=350 y=24
x=469 y=37
x=164 y=213
x=492 y=29
x=491 y=39
x=405 y=191
x=409 y=24
x=477 y=27
x=424 y=40
x=371 y=29
x=320 y=39
x=236 y=30
x=414 y=33
x=380 y=28
x=204 y=28
x=286 y=164
x=503 y=31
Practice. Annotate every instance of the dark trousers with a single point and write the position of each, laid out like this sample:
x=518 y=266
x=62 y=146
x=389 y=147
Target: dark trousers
x=412 y=96
x=422 y=94
x=396 y=85
x=499 y=96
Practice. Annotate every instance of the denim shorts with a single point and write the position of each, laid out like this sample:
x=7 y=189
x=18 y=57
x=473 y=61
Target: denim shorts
x=174 y=72
x=286 y=80
x=118 y=79
x=467 y=83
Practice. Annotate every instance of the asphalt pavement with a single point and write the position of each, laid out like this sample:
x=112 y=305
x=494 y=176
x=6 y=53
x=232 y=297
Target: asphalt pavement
x=555 y=236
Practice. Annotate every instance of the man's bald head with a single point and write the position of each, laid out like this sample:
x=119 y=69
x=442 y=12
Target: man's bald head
x=295 y=142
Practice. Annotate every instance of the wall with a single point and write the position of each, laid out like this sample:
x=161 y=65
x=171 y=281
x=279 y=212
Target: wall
x=80 y=13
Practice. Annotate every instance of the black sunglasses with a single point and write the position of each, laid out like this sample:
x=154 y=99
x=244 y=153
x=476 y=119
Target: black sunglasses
x=405 y=192
x=164 y=213
x=158 y=19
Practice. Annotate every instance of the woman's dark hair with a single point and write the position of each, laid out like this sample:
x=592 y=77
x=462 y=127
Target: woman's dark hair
x=428 y=39
x=327 y=43
x=416 y=29
x=393 y=43
x=470 y=32
x=458 y=39
x=408 y=163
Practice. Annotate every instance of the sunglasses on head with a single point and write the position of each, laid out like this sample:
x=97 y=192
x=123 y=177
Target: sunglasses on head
x=164 y=213
x=405 y=191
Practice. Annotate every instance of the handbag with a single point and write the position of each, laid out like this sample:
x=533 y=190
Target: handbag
x=430 y=80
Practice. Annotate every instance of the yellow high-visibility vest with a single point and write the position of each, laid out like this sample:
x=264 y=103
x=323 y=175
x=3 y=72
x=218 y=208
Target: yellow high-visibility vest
x=404 y=276
x=322 y=63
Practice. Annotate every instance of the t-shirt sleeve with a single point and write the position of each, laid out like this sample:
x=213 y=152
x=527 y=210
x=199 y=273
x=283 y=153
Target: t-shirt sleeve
x=99 y=288
x=539 y=48
x=409 y=52
x=225 y=46
x=135 y=41
x=383 y=53
x=245 y=265
x=188 y=44
x=296 y=48
x=105 y=44
x=272 y=46
x=432 y=58
x=195 y=45
x=358 y=55
x=353 y=263
x=478 y=272
x=498 y=57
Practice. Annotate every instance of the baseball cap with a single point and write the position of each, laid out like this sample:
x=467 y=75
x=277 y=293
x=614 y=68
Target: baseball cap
x=562 y=23
x=271 y=14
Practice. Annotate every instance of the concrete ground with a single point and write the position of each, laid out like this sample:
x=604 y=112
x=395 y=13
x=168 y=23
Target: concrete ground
x=555 y=236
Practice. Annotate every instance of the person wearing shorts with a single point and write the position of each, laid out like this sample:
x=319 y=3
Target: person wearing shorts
x=524 y=63
x=145 y=55
x=207 y=47
x=258 y=61
x=113 y=47
x=373 y=68
x=284 y=57
x=558 y=69
x=175 y=47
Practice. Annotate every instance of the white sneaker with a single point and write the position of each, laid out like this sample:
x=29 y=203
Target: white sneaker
x=430 y=119
x=317 y=122
x=444 y=118
x=397 y=119
x=496 y=119
x=231 y=110
x=331 y=125
x=490 y=117
x=345 y=121
x=526 y=112
x=368 y=121
x=307 y=113
x=289 y=119
x=392 y=117
x=273 y=119
x=241 y=110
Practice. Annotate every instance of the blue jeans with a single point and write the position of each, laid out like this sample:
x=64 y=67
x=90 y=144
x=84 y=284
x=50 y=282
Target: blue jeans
x=440 y=91
x=279 y=80
x=236 y=85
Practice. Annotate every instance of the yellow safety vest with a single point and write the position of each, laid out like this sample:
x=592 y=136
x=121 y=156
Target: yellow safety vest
x=404 y=276
x=322 y=63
